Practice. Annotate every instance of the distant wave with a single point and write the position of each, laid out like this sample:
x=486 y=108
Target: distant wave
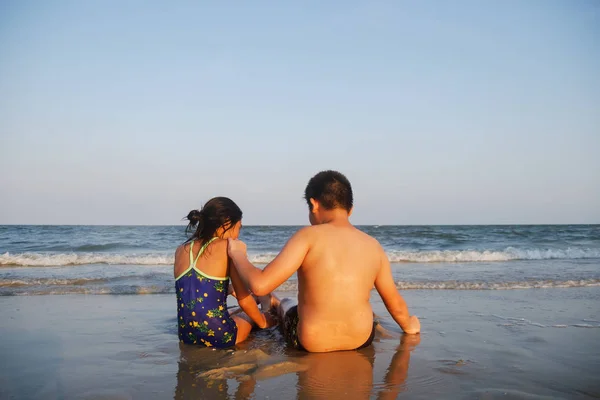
x=70 y=259
x=48 y=282
x=395 y=256
x=107 y=247
x=107 y=286
x=64 y=259
x=508 y=254
x=23 y=282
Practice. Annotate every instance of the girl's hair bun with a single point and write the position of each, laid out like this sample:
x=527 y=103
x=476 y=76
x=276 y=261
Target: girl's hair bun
x=194 y=216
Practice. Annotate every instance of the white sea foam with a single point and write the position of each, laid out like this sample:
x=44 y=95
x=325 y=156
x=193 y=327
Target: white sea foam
x=395 y=256
x=91 y=290
x=71 y=259
x=508 y=254
x=114 y=286
x=464 y=285
x=43 y=260
x=21 y=282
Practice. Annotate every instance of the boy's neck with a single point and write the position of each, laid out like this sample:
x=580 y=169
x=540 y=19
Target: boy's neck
x=337 y=216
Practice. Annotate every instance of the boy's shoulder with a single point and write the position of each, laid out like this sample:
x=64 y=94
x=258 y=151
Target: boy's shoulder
x=309 y=234
x=307 y=231
x=313 y=231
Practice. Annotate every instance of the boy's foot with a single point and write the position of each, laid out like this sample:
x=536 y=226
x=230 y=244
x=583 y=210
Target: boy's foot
x=265 y=302
x=268 y=302
x=274 y=302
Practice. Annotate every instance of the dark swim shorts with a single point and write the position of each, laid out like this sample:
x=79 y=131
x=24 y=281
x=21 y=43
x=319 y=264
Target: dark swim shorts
x=290 y=330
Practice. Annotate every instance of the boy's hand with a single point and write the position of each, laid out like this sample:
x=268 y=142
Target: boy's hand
x=414 y=325
x=236 y=248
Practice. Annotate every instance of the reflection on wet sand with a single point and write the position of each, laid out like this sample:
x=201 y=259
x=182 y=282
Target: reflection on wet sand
x=337 y=375
x=207 y=374
x=397 y=372
x=349 y=374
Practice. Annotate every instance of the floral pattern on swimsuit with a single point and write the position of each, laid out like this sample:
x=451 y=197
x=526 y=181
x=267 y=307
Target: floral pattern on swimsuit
x=202 y=316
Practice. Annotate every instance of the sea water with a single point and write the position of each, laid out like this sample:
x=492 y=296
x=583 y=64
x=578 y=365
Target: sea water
x=38 y=260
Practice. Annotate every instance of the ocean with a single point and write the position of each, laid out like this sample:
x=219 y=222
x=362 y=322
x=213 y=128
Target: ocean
x=37 y=260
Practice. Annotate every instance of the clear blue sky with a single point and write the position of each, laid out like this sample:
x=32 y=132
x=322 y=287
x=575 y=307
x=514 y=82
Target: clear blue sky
x=438 y=112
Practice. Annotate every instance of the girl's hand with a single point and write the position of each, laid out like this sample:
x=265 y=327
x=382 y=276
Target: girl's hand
x=270 y=320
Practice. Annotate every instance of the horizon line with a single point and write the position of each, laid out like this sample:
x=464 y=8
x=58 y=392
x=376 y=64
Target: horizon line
x=295 y=225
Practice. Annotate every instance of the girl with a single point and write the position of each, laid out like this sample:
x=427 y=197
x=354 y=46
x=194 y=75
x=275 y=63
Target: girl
x=202 y=271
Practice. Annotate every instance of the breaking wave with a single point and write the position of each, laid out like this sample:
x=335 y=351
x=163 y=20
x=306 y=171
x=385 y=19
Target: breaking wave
x=64 y=259
x=395 y=256
x=508 y=254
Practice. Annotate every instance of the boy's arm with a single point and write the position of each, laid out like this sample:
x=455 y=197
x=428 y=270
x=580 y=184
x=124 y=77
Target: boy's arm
x=263 y=282
x=395 y=304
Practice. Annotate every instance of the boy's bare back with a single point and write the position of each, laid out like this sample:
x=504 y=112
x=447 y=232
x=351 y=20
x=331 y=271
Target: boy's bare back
x=335 y=282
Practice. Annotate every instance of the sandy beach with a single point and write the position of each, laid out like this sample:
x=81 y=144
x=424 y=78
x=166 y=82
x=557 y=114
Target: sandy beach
x=475 y=344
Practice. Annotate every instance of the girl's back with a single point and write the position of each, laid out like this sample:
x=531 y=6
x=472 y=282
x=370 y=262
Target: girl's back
x=202 y=276
x=201 y=290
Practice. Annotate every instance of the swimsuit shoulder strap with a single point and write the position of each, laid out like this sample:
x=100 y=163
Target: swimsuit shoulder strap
x=191 y=253
x=192 y=261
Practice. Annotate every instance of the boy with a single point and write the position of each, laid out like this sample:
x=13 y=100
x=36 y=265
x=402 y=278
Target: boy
x=337 y=267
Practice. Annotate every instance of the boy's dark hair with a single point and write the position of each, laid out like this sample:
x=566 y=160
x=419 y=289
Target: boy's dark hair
x=217 y=212
x=331 y=189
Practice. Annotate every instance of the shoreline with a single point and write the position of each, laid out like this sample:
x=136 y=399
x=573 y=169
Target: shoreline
x=474 y=344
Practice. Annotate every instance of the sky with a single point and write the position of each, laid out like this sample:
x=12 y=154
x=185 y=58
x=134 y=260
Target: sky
x=463 y=112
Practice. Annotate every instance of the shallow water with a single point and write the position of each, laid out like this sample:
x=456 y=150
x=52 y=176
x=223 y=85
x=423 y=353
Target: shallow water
x=475 y=344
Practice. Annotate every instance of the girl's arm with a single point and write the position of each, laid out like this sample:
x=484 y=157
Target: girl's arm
x=246 y=300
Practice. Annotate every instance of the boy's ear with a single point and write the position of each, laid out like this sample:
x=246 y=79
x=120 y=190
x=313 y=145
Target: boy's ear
x=350 y=212
x=315 y=205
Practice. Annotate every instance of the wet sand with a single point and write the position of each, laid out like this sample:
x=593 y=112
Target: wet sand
x=475 y=344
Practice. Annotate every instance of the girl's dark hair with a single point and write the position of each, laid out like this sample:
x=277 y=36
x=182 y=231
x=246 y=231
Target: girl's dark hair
x=217 y=212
